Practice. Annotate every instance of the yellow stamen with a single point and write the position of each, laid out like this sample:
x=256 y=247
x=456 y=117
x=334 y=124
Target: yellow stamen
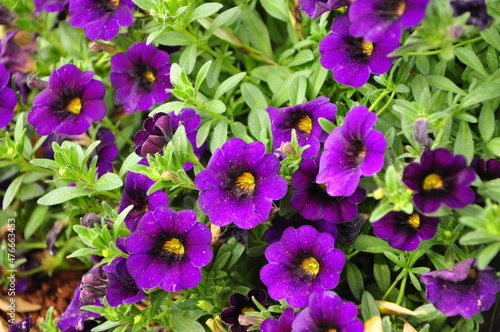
x=322 y=186
x=174 y=246
x=247 y=309
x=74 y=105
x=149 y=76
x=367 y=47
x=472 y=274
x=115 y=3
x=400 y=8
x=433 y=181
x=246 y=182
x=305 y=124
x=414 y=220
x=331 y=330
x=311 y=266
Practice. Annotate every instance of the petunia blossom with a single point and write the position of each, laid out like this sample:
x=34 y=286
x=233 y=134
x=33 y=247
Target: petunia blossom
x=8 y=100
x=314 y=8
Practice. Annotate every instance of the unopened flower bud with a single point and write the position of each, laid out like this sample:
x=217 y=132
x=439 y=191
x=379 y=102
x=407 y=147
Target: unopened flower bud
x=456 y=31
x=138 y=319
x=288 y=150
x=93 y=286
x=379 y=193
x=170 y=176
x=215 y=324
x=91 y=219
x=421 y=133
x=99 y=47
x=36 y=83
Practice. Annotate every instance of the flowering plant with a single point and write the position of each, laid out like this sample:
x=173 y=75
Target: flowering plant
x=241 y=165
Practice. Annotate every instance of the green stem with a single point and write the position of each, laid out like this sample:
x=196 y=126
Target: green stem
x=402 y=289
x=379 y=99
x=465 y=42
x=354 y=253
x=391 y=97
x=390 y=289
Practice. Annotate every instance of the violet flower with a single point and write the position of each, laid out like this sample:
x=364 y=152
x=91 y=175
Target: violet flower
x=283 y=324
x=303 y=262
x=314 y=8
x=440 y=178
x=239 y=184
x=351 y=58
x=351 y=151
x=375 y=20
x=464 y=290
x=405 y=231
x=15 y=58
x=486 y=169
x=328 y=312
x=312 y=201
x=122 y=287
x=140 y=77
x=24 y=325
x=101 y=19
x=8 y=100
x=240 y=305
x=106 y=152
x=50 y=6
x=167 y=250
x=69 y=105
x=135 y=193
x=478 y=12
x=304 y=119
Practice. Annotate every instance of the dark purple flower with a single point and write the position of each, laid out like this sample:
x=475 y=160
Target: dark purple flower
x=375 y=20
x=24 y=325
x=283 y=324
x=280 y=224
x=328 y=312
x=69 y=105
x=239 y=184
x=440 y=178
x=135 y=193
x=8 y=98
x=351 y=58
x=486 y=169
x=351 y=151
x=304 y=119
x=140 y=77
x=15 y=58
x=122 y=287
x=348 y=231
x=50 y=6
x=240 y=305
x=93 y=286
x=101 y=19
x=464 y=290
x=6 y=16
x=167 y=250
x=477 y=9
x=159 y=130
x=315 y=8
x=405 y=231
x=106 y=152
x=303 y=262
x=312 y=201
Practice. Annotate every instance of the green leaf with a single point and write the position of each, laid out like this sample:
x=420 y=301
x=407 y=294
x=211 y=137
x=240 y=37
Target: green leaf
x=494 y=146
x=382 y=273
x=145 y=4
x=253 y=97
x=464 y=144
x=487 y=254
x=216 y=106
x=443 y=83
x=354 y=280
x=372 y=244
x=255 y=30
x=298 y=90
x=491 y=189
x=84 y=252
x=11 y=191
x=302 y=57
x=45 y=163
x=204 y=10
x=258 y=122
x=228 y=84
x=369 y=307
x=316 y=79
x=185 y=324
x=202 y=74
x=226 y=17
x=203 y=132
x=481 y=93
x=173 y=38
x=61 y=195
x=188 y=58
x=492 y=37
x=86 y=235
x=219 y=135
x=469 y=57
x=487 y=122
x=108 y=181
x=277 y=9
x=37 y=218
x=476 y=237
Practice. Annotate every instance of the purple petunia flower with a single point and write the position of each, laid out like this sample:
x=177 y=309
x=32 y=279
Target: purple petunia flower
x=464 y=290
x=440 y=178
x=280 y=224
x=106 y=152
x=303 y=262
x=351 y=58
x=15 y=58
x=304 y=119
x=314 y=8
x=167 y=250
x=122 y=287
x=327 y=312
x=140 y=77
x=405 y=231
x=101 y=19
x=240 y=305
x=478 y=12
x=375 y=20
x=312 y=201
x=486 y=169
x=24 y=325
x=135 y=193
x=351 y=151
x=239 y=184
x=50 y=6
x=69 y=105
x=8 y=98
x=283 y=324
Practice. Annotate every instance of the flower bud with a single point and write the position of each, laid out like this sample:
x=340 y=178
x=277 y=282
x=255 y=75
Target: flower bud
x=91 y=219
x=93 y=286
x=421 y=133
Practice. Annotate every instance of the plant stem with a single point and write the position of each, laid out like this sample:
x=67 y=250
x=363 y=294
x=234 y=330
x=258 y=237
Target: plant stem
x=379 y=99
x=402 y=288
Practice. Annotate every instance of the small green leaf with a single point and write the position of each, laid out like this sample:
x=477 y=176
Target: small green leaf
x=494 y=146
x=253 y=97
x=464 y=144
x=487 y=122
x=443 y=83
x=203 y=132
x=61 y=195
x=37 y=218
x=219 y=135
x=277 y=9
x=228 y=84
x=173 y=38
x=188 y=58
x=483 y=92
x=372 y=244
x=298 y=90
x=469 y=57
x=204 y=10
x=369 y=307
x=487 y=254
x=354 y=280
x=216 y=106
x=11 y=191
x=202 y=74
x=108 y=181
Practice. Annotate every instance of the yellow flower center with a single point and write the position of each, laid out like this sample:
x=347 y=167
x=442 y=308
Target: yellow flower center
x=414 y=220
x=247 y=309
x=367 y=47
x=322 y=186
x=472 y=274
x=246 y=182
x=149 y=76
x=433 y=181
x=331 y=330
x=305 y=124
x=115 y=3
x=174 y=246
x=74 y=105
x=311 y=266
x=400 y=8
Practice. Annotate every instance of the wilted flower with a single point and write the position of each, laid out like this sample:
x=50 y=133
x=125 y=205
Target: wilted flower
x=15 y=58
x=240 y=305
x=24 y=325
x=348 y=231
x=421 y=133
x=464 y=290
x=440 y=178
x=478 y=12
